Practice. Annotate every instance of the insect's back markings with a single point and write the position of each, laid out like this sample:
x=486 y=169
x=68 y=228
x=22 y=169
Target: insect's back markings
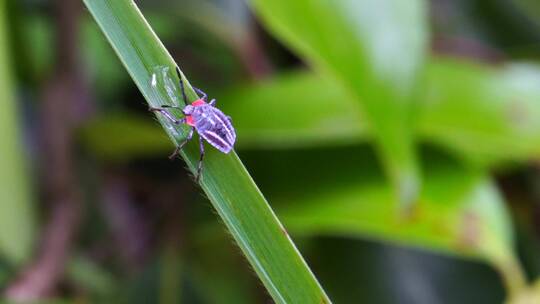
x=209 y=122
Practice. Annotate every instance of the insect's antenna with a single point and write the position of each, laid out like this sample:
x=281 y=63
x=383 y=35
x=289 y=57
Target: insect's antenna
x=181 y=85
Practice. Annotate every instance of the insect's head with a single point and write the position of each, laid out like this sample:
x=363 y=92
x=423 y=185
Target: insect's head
x=187 y=110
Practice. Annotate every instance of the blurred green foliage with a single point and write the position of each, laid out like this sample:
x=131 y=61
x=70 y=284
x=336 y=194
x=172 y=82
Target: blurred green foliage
x=17 y=230
x=362 y=99
x=375 y=50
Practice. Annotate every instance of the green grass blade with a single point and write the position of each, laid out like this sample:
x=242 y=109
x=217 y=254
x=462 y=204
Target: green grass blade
x=376 y=50
x=16 y=214
x=225 y=181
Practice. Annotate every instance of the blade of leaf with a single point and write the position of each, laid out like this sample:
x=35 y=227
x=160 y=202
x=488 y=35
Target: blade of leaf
x=229 y=187
x=375 y=48
x=471 y=224
x=17 y=226
x=460 y=210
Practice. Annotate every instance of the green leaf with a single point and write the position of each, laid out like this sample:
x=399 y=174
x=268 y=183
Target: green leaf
x=458 y=213
x=298 y=109
x=375 y=49
x=460 y=210
x=452 y=202
x=225 y=181
x=17 y=222
x=485 y=115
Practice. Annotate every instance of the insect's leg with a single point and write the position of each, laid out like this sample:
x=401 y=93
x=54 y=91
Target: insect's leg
x=168 y=115
x=212 y=102
x=200 y=165
x=182 y=144
x=182 y=85
x=200 y=92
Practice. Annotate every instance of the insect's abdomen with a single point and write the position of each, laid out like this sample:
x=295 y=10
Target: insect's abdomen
x=214 y=127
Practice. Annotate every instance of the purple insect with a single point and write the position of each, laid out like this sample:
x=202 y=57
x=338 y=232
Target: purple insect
x=209 y=122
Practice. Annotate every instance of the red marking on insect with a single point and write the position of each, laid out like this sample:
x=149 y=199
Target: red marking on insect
x=198 y=102
x=189 y=120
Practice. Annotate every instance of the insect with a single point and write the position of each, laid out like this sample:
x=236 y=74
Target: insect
x=209 y=122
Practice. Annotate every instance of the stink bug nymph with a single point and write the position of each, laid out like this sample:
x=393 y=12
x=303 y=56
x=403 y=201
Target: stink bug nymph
x=209 y=122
